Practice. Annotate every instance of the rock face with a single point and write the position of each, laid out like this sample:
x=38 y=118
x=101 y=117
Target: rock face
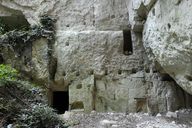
x=100 y=58
x=167 y=39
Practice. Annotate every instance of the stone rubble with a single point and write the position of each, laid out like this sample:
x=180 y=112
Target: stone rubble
x=111 y=55
x=136 y=120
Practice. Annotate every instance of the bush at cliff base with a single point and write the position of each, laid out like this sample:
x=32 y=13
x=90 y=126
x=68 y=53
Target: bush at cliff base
x=21 y=106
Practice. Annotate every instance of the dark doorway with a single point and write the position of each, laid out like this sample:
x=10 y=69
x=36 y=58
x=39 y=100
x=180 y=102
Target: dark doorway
x=1 y=59
x=60 y=101
x=127 y=45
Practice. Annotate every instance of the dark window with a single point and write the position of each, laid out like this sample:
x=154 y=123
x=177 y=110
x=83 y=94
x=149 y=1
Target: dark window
x=60 y=101
x=127 y=45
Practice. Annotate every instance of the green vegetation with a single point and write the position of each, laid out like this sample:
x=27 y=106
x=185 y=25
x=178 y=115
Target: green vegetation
x=7 y=73
x=41 y=116
x=18 y=40
x=22 y=105
x=26 y=108
x=2 y=27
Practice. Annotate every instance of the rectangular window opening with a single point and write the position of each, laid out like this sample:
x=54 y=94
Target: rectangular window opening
x=127 y=45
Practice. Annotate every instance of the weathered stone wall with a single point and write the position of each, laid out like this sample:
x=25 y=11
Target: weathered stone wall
x=32 y=62
x=91 y=64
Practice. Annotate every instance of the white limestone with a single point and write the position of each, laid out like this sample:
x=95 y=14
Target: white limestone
x=167 y=38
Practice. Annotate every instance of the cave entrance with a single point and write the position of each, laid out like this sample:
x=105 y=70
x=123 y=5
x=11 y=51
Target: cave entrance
x=1 y=59
x=9 y=23
x=127 y=45
x=60 y=101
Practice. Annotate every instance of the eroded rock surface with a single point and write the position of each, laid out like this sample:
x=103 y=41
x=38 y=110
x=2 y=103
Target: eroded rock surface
x=167 y=39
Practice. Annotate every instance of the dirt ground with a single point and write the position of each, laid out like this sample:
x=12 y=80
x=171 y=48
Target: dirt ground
x=178 y=119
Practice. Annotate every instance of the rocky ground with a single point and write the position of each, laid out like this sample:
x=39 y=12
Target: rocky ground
x=178 y=119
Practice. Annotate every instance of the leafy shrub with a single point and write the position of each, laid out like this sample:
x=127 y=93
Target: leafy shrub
x=7 y=73
x=2 y=28
x=40 y=116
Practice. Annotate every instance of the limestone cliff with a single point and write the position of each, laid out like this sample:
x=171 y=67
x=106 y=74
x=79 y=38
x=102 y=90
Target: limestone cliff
x=167 y=38
x=99 y=55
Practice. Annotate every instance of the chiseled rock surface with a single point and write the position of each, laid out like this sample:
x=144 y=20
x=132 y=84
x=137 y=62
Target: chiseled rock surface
x=99 y=54
x=40 y=60
x=138 y=11
x=73 y=14
x=167 y=39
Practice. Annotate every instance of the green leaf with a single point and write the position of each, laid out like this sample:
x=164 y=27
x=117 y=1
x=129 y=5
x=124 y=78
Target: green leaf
x=7 y=73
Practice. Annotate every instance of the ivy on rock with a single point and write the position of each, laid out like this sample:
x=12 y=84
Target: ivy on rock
x=17 y=40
